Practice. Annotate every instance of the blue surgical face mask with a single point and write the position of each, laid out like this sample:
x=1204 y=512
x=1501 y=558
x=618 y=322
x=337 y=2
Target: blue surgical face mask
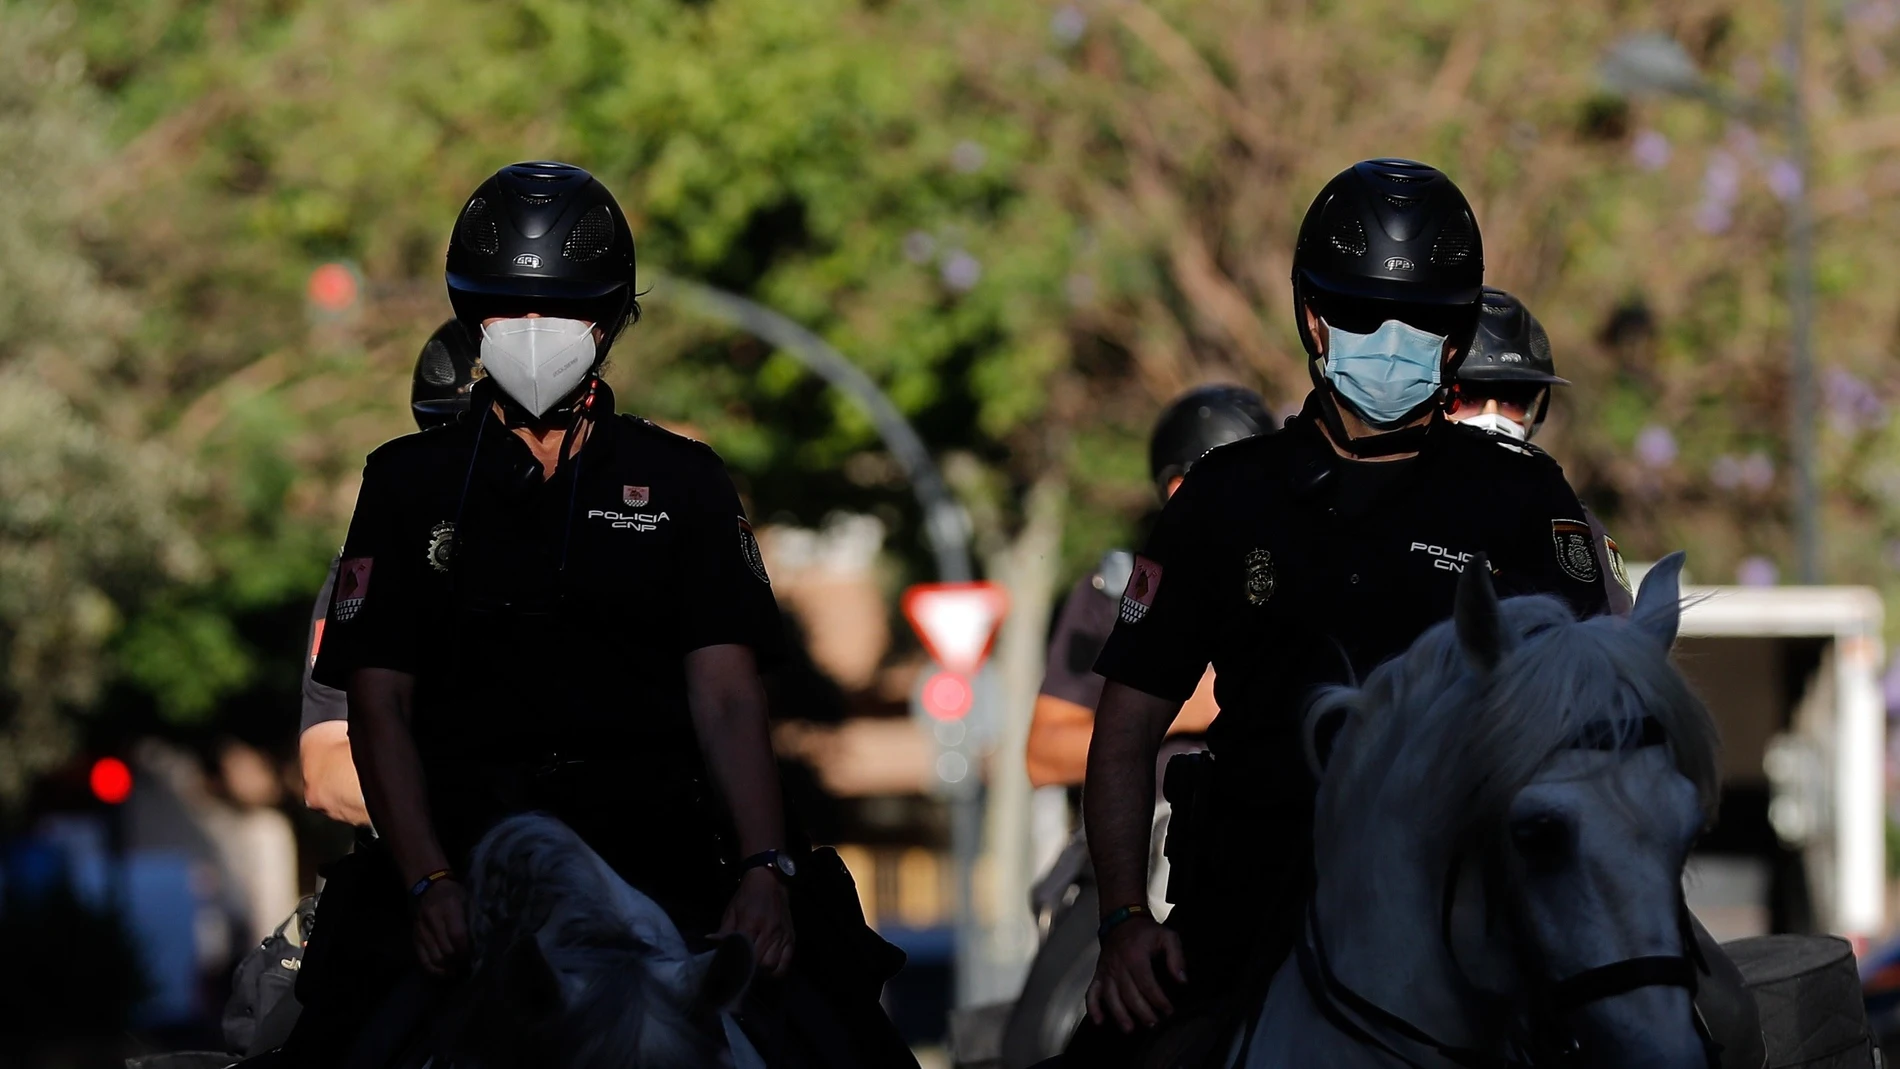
x=1387 y=373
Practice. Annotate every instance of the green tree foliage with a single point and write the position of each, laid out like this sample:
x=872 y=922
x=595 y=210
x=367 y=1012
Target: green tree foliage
x=86 y=499
x=1032 y=222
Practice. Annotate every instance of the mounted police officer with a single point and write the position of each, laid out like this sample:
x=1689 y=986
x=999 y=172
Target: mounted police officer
x=544 y=606
x=1301 y=558
x=1504 y=387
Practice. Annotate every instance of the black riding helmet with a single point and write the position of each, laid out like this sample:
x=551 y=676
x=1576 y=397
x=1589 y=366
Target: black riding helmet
x=1509 y=351
x=445 y=369
x=1388 y=239
x=545 y=238
x=1199 y=420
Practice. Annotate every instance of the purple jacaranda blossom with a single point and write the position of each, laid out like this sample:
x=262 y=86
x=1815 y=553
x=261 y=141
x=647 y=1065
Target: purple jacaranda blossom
x=1726 y=472
x=1722 y=179
x=1757 y=471
x=1068 y=24
x=1655 y=446
x=1757 y=571
x=968 y=156
x=1712 y=218
x=1852 y=404
x=961 y=271
x=1650 y=150
x=1784 y=179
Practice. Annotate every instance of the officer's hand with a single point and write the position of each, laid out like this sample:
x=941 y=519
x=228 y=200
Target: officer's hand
x=763 y=913
x=1125 y=984
x=442 y=928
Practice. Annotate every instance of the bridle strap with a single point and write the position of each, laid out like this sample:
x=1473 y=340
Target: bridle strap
x=1620 y=978
x=1334 y=998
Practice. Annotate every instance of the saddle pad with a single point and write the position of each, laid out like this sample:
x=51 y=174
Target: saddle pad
x=1808 y=991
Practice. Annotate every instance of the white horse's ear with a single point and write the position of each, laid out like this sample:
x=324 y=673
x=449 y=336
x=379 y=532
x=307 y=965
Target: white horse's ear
x=1475 y=615
x=725 y=972
x=1658 y=608
x=1326 y=727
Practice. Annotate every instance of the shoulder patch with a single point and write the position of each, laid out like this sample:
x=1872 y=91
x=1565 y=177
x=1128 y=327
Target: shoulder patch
x=352 y=587
x=1144 y=582
x=1576 y=551
x=749 y=549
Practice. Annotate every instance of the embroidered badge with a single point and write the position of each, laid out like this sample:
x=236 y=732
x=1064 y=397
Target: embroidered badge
x=352 y=586
x=441 y=545
x=749 y=549
x=635 y=497
x=1259 y=576
x=1617 y=571
x=1143 y=583
x=1576 y=550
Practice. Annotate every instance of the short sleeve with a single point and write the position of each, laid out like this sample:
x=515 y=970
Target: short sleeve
x=1555 y=549
x=1161 y=644
x=726 y=595
x=1082 y=629
x=375 y=612
x=320 y=703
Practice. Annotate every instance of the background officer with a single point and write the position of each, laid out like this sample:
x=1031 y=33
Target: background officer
x=438 y=395
x=1064 y=715
x=1504 y=386
x=1301 y=558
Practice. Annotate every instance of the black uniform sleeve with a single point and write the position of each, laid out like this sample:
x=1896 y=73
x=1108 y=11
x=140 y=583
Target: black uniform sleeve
x=1553 y=551
x=1081 y=631
x=375 y=609
x=726 y=594
x=320 y=703
x=1161 y=644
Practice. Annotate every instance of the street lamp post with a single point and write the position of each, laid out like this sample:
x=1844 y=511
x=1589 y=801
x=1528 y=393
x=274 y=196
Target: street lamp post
x=1648 y=63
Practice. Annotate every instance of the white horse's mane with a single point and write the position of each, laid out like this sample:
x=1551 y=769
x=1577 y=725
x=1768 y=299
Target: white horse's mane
x=1471 y=740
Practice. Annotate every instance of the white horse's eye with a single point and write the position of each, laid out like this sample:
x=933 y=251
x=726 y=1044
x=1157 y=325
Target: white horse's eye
x=1543 y=839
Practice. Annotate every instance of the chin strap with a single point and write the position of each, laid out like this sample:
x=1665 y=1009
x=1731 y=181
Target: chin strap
x=1384 y=444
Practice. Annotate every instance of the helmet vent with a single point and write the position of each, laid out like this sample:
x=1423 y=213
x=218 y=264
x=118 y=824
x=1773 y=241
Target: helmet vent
x=592 y=236
x=1350 y=238
x=1455 y=242
x=438 y=368
x=1402 y=179
x=478 y=231
x=1540 y=346
x=1401 y=202
x=537 y=199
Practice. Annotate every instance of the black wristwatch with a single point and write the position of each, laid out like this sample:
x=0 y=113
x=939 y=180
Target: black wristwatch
x=777 y=860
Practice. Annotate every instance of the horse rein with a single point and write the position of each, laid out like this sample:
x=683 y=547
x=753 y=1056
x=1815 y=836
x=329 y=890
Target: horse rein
x=1364 y=1020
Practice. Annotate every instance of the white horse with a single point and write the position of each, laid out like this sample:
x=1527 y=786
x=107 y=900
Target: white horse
x=1501 y=826
x=574 y=969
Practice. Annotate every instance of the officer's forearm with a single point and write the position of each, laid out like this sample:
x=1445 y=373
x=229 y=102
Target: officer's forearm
x=391 y=770
x=728 y=706
x=330 y=783
x=1118 y=797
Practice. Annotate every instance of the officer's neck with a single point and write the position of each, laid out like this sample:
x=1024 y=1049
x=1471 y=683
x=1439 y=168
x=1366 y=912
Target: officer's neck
x=1357 y=428
x=546 y=443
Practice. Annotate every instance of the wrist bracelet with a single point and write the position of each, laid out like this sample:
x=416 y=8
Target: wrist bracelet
x=1110 y=922
x=421 y=887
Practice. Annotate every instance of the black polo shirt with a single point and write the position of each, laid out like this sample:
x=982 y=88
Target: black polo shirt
x=546 y=617
x=1288 y=567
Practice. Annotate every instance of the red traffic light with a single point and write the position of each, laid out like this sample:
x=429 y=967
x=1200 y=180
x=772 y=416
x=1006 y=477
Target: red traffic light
x=110 y=780
x=332 y=288
x=947 y=696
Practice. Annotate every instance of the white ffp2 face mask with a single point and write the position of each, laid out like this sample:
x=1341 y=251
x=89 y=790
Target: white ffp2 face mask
x=1499 y=423
x=538 y=361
